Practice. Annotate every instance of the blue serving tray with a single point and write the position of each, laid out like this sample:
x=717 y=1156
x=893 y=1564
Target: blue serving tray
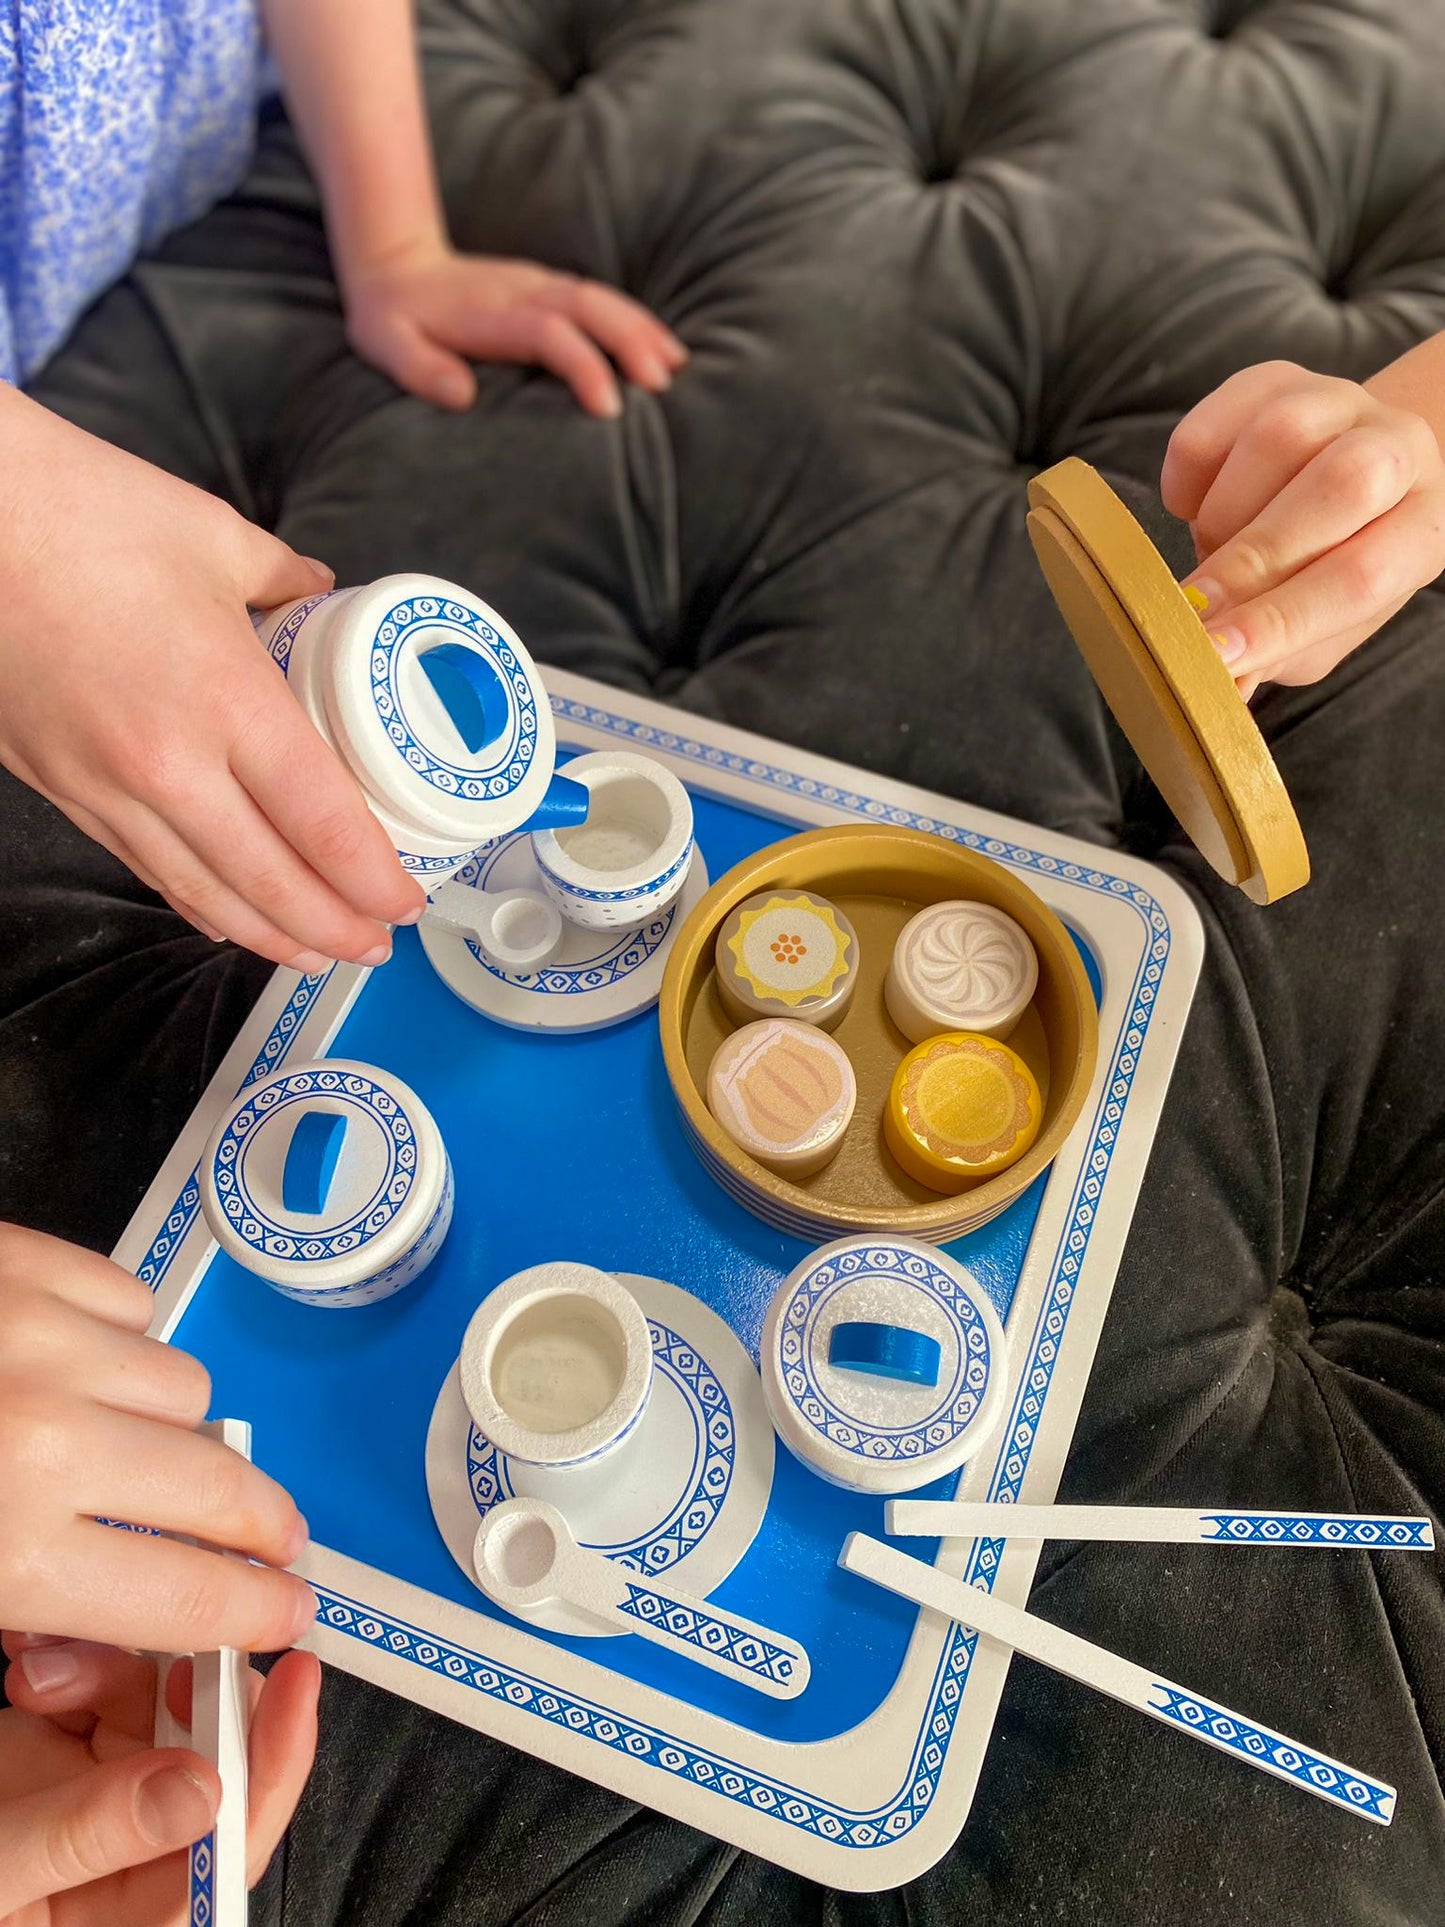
x=569 y=1146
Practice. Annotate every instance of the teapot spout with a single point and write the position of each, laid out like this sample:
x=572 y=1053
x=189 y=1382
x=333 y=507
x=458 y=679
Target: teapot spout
x=566 y=802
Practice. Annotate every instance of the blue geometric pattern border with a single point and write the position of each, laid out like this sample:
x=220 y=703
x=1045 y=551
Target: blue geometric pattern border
x=651 y=1746
x=762 y=1794
x=202 y=1900
x=1235 y=1735
x=453 y=779
x=957 y=1403
x=1315 y=1529
x=625 y=951
x=709 y=1478
x=182 y=1215
x=696 y=1626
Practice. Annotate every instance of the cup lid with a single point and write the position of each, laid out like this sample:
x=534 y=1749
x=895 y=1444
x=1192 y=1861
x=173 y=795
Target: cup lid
x=442 y=708
x=322 y=1174
x=883 y=1430
x=1165 y=682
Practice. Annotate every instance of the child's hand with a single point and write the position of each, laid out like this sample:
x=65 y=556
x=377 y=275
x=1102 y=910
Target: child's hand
x=1317 y=512
x=97 y=1422
x=422 y=313
x=94 y=1821
x=134 y=694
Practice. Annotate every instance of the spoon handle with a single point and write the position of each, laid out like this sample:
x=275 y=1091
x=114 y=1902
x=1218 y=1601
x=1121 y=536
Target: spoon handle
x=1159 y=1525
x=739 y=1648
x=1132 y=1685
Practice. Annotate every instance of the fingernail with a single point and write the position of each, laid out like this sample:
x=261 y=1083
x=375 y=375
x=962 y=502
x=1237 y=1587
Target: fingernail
x=611 y=408
x=680 y=354
x=298 y=1540
x=311 y=963
x=1202 y=596
x=48 y=1668
x=661 y=379
x=173 y=1808
x=455 y=392
x=379 y=954
x=320 y=567
x=1229 y=643
x=307 y=1607
x=24 y=1640
x=413 y=916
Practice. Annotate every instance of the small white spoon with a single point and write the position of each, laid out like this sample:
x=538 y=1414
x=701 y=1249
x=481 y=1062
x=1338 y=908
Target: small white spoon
x=519 y=931
x=525 y=1555
x=1121 y=1679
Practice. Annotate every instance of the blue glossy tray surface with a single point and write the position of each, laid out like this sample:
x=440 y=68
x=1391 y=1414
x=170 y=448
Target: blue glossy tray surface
x=564 y=1147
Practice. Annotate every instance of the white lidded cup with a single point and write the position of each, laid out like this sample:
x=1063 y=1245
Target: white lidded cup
x=434 y=705
x=556 y=1365
x=918 y=1384
x=628 y=861
x=330 y=1181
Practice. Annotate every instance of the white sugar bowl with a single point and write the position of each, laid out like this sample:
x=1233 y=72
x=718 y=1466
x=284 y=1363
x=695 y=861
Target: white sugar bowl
x=629 y=860
x=330 y=1181
x=436 y=708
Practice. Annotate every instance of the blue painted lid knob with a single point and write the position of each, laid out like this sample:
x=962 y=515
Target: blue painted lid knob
x=470 y=691
x=886 y=1351
x=565 y=803
x=311 y=1159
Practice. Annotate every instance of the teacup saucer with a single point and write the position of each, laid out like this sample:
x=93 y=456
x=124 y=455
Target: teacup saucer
x=597 y=978
x=684 y=1495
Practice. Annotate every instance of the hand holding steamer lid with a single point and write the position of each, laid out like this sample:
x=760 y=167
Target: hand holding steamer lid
x=436 y=708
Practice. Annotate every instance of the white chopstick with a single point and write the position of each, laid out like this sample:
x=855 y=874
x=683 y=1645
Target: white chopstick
x=1160 y=1525
x=1132 y=1685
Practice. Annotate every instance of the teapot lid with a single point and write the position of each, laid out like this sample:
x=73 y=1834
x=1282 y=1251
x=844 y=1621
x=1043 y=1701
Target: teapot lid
x=441 y=708
x=1164 y=680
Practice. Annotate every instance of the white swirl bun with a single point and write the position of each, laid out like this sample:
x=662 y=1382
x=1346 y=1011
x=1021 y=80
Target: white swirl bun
x=960 y=966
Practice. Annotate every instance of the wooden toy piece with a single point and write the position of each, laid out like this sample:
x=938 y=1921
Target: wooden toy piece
x=556 y=1365
x=785 y=1093
x=961 y=1108
x=960 y=966
x=516 y=930
x=885 y=1351
x=525 y=1554
x=330 y=1181
x=787 y=953
x=220 y=1720
x=436 y=708
x=684 y=1493
x=878 y=876
x=1160 y=1525
x=311 y=1161
x=1165 y=682
x=1079 y=1659
x=628 y=862
x=883 y=1431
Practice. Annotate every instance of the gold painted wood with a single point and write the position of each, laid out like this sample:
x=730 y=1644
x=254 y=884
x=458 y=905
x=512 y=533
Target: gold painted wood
x=1164 y=680
x=879 y=877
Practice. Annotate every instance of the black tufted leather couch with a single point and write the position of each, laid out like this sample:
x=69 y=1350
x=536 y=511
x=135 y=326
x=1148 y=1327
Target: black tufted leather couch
x=919 y=248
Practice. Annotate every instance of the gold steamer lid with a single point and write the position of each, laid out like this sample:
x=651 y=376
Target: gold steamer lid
x=1164 y=680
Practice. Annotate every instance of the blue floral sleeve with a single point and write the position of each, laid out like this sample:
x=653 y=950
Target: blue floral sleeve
x=120 y=120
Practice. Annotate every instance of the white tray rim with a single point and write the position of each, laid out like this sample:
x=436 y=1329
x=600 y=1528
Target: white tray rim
x=871 y=1808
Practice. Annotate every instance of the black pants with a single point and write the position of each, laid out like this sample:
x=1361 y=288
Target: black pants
x=1277 y=1333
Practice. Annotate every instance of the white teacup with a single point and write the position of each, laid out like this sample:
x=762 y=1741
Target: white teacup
x=629 y=860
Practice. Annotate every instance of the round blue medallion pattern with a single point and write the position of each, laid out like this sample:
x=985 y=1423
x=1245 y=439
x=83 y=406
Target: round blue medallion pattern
x=798 y=1349
x=511 y=754
x=262 y=1232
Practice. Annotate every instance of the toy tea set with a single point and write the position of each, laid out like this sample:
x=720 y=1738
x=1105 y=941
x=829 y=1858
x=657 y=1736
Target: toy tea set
x=877 y=1040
